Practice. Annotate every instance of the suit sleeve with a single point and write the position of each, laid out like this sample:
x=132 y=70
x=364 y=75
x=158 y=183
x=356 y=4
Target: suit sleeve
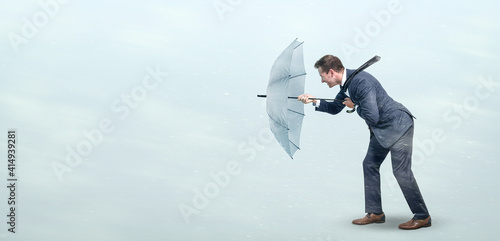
x=367 y=98
x=332 y=107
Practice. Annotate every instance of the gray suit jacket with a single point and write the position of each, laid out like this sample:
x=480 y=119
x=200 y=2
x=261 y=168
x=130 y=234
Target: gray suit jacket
x=387 y=118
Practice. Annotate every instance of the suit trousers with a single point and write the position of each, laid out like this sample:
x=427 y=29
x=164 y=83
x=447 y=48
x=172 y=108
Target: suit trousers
x=401 y=153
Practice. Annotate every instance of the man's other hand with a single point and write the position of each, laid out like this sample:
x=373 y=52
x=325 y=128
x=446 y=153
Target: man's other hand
x=347 y=102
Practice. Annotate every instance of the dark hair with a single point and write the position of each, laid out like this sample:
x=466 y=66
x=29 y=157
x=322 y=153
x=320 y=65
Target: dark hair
x=328 y=62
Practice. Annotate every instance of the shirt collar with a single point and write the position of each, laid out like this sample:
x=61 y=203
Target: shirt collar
x=344 y=77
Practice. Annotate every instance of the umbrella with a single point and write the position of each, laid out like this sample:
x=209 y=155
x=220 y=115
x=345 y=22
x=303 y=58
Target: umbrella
x=286 y=79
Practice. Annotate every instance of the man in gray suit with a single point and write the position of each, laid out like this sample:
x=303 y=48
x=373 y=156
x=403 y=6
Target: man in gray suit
x=391 y=130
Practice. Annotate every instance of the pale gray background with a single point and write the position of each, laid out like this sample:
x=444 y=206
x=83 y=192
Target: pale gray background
x=205 y=114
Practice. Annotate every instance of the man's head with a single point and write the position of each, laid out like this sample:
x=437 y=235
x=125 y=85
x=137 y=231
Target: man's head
x=330 y=69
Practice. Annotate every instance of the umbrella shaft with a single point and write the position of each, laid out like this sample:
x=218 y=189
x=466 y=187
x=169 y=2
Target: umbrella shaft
x=295 y=97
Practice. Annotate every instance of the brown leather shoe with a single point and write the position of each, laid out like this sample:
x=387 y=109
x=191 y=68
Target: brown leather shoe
x=416 y=224
x=370 y=218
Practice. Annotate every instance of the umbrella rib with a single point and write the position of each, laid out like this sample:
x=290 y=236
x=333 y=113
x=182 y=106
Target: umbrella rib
x=298 y=45
x=295 y=112
x=277 y=81
x=294 y=145
x=291 y=77
x=277 y=122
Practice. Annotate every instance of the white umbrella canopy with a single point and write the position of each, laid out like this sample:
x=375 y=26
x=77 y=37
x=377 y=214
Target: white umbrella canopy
x=287 y=78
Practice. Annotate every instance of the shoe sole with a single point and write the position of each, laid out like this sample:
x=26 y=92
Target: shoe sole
x=425 y=226
x=381 y=220
x=369 y=223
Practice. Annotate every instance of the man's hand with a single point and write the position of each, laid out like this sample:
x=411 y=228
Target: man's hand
x=305 y=98
x=347 y=102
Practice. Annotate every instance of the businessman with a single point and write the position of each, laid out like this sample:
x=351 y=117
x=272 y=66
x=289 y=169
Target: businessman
x=391 y=131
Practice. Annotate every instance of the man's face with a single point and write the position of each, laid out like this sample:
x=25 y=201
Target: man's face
x=328 y=77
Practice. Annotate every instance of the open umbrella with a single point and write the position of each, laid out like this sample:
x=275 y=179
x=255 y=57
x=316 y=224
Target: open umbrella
x=286 y=79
